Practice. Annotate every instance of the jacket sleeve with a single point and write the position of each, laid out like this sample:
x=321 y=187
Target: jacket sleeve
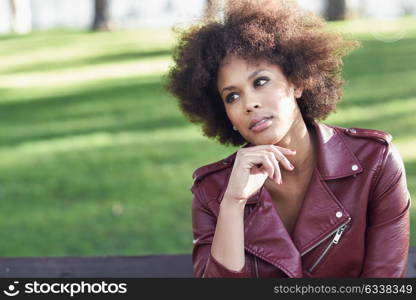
x=203 y=224
x=387 y=233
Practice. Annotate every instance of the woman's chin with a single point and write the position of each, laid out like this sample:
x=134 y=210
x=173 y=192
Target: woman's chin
x=265 y=140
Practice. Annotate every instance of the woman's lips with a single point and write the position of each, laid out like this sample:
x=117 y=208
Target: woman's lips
x=262 y=125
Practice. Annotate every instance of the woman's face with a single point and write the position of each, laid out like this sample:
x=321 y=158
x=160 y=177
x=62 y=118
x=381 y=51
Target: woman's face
x=259 y=100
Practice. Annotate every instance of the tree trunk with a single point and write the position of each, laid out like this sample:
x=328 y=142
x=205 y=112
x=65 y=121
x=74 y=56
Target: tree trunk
x=101 y=16
x=21 y=22
x=209 y=8
x=335 y=10
x=214 y=8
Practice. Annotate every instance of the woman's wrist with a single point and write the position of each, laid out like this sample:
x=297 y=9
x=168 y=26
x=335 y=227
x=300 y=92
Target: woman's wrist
x=233 y=201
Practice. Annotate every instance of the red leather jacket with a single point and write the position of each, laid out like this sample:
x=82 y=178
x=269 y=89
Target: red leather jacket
x=354 y=221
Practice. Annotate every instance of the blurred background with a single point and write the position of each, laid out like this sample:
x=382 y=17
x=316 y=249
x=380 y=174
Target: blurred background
x=96 y=158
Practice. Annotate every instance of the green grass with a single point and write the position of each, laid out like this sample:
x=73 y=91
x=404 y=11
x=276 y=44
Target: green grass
x=96 y=158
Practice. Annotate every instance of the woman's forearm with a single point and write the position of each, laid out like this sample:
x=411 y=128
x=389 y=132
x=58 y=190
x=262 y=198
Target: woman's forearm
x=228 y=242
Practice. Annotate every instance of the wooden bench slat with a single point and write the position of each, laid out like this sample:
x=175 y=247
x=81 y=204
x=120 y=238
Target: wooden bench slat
x=104 y=266
x=152 y=266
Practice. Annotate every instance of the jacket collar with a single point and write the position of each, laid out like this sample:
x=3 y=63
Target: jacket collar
x=335 y=159
x=320 y=215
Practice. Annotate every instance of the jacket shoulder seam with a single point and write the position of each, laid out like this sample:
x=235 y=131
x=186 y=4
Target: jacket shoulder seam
x=202 y=171
x=378 y=135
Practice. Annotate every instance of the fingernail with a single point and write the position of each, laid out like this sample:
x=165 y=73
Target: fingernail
x=292 y=167
x=280 y=182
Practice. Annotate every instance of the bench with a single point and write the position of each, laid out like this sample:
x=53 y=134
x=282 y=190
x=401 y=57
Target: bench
x=151 y=266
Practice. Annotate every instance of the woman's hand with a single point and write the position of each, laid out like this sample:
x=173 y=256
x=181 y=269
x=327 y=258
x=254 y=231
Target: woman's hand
x=251 y=168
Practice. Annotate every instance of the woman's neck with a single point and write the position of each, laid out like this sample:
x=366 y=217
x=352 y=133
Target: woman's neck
x=303 y=140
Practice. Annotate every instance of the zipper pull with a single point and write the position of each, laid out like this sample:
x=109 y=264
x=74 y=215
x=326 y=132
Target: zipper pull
x=338 y=234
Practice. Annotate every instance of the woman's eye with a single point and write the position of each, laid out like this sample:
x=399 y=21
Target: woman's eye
x=261 y=81
x=231 y=97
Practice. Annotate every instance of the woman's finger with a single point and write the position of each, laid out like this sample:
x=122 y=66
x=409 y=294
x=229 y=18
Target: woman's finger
x=257 y=159
x=279 y=155
x=284 y=162
x=270 y=162
x=270 y=167
x=282 y=158
x=285 y=151
x=278 y=173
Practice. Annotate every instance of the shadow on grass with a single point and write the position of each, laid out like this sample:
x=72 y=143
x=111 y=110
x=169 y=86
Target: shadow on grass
x=87 y=61
x=376 y=57
x=410 y=166
x=370 y=101
x=8 y=37
x=395 y=124
x=78 y=190
x=38 y=40
x=380 y=73
x=128 y=107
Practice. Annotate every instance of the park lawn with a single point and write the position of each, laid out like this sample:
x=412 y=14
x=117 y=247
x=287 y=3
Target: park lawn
x=96 y=158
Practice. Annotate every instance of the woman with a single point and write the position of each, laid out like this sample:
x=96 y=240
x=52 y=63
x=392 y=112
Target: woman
x=300 y=198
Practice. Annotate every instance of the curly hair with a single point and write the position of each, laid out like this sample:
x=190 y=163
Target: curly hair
x=278 y=32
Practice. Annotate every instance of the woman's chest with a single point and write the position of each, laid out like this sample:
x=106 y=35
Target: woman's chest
x=288 y=203
x=288 y=210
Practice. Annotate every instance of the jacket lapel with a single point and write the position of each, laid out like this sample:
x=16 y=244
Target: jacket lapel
x=321 y=211
x=320 y=215
x=266 y=237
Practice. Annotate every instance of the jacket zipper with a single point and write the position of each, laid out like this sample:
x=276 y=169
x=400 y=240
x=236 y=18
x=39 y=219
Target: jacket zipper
x=256 y=267
x=334 y=241
x=324 y=239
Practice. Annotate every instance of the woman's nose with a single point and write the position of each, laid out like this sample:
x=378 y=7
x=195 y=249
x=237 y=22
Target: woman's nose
x=251 y=106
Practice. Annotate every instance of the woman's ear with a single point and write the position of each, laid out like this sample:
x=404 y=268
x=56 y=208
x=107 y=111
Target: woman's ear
x=298 y=92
